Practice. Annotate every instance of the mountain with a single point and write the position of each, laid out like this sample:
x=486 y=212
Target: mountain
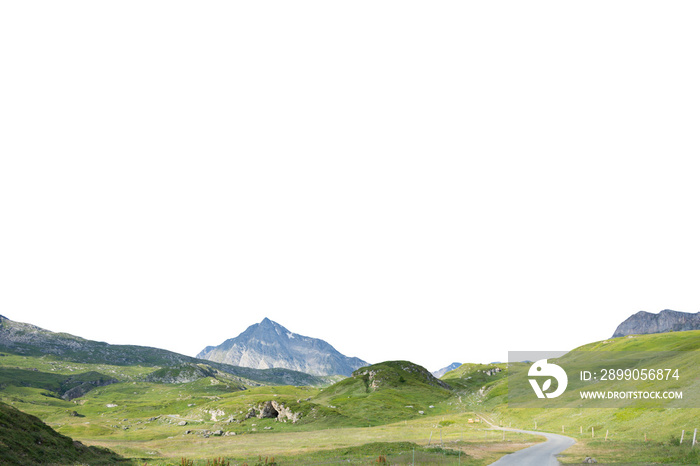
x=30 y=340
x=665 y=321
x=445 y=370
x=268 y=344
x=26 y=440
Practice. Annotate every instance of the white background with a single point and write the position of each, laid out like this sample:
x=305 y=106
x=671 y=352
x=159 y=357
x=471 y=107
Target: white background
x=431 y=181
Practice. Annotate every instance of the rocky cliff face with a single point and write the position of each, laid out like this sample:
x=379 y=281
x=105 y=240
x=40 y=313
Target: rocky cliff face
x=270 y=345
x=665 y=321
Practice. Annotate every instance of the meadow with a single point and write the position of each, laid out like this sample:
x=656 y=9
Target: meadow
x=393 y=411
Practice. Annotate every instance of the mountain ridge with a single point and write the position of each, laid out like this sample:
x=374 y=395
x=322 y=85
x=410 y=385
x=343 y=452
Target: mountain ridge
x=268 y=345
x=30 y=340
x=643 y=323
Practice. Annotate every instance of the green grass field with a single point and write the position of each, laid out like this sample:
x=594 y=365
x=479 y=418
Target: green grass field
x=626 y=428
x=388 y=410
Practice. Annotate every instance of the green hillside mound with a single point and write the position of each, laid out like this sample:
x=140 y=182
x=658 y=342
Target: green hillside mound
x=385 y=392
x=475 y=377
x=26 y=440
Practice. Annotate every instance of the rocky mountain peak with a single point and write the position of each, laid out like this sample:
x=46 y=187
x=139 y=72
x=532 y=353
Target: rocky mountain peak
x=267 y=323
x=269 y=345
x=665 y=321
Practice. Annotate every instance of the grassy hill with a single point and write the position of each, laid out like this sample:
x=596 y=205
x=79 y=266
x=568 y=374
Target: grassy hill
x=473 y=378
x=626 y=428
x=386 y=392
x=26 y=440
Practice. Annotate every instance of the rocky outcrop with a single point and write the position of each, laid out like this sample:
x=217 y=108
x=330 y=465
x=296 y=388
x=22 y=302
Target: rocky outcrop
x=269 y=345
x=275 y=410
x=665 y=321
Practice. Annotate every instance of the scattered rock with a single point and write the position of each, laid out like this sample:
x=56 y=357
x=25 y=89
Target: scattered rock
x=589 y=460
x=218 y=433
x=216 y=414
x=182 y=423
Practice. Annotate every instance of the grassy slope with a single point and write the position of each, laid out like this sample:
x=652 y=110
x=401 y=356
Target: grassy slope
x=144 y=422
x=26 y=440
x=148 y=411
x=383 y=393
x=626 y=427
